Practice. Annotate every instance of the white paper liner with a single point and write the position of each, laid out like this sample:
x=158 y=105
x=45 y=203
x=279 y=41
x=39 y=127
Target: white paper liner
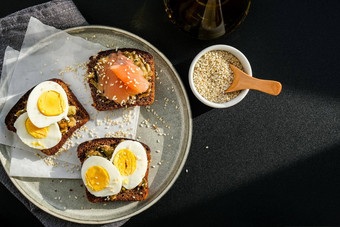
x=62 y=56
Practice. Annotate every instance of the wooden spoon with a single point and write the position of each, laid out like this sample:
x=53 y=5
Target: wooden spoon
x=244 y=81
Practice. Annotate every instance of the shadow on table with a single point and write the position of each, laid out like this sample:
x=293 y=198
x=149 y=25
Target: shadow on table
x=302 y=194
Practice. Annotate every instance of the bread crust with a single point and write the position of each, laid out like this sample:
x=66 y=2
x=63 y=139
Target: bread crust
x=81 y=115
x=102 y=103
x=136 y=194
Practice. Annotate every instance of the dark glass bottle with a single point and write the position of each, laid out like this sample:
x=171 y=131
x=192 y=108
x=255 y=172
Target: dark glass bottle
x=207 y=19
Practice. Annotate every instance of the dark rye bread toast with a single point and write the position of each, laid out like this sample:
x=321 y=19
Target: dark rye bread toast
x=81 y=115
x=136 y=194
x=101 y=102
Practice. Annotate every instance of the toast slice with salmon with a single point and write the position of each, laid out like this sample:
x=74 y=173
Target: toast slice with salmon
x=121 y=78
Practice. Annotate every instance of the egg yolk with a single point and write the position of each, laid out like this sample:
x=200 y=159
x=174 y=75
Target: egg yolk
x=97 y=178
x=125 y=161
x=37 y=144
x=51 y=103
x=34 y=131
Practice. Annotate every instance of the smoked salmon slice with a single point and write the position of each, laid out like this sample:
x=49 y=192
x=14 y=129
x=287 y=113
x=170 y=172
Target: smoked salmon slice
x=119 y=78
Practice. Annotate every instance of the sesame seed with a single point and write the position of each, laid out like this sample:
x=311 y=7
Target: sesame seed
x=212 y=76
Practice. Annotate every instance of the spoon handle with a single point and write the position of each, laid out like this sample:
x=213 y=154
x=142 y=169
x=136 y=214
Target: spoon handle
x=268 y=86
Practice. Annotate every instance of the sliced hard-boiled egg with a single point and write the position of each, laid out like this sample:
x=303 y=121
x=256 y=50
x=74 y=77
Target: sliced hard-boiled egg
x=131 y=160
x=100 y=176
x=47 y=104
x=39 y=138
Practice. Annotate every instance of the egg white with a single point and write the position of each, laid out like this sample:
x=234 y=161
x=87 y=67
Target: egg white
x=37 y=118
x=137 y=176
x=115 y=183
x=52 y=139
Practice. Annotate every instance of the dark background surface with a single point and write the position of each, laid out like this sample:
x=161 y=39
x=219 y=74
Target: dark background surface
x=270 y=161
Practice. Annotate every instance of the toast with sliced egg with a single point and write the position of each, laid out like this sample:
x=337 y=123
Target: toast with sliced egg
x=46 y=116
x=114 y=169
x=121 y=78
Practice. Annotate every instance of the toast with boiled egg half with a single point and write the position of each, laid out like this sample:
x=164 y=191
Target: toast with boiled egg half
x=114 y=169
x=121 y=78
x=46 y=116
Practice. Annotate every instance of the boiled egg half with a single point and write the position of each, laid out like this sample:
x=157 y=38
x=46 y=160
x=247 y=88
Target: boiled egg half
x=32 y=136
x=131 y=161
x=100 y=177
x=47 y=104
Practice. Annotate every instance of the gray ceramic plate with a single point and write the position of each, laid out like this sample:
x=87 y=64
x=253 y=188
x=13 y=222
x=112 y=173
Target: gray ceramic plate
x=165 y=126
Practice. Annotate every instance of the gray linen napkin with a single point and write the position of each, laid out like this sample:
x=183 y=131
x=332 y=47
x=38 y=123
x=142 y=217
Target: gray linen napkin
x=61 y=14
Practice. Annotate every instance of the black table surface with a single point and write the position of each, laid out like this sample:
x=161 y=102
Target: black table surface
x=268 y=161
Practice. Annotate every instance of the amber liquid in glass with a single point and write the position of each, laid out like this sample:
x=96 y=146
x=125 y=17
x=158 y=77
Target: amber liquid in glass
x=207 y=19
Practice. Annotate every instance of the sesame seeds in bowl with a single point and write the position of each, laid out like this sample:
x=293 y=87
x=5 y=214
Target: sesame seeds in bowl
x=210 y=75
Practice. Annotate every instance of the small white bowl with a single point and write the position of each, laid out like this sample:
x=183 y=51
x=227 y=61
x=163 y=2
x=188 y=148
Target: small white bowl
x=246 y=66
